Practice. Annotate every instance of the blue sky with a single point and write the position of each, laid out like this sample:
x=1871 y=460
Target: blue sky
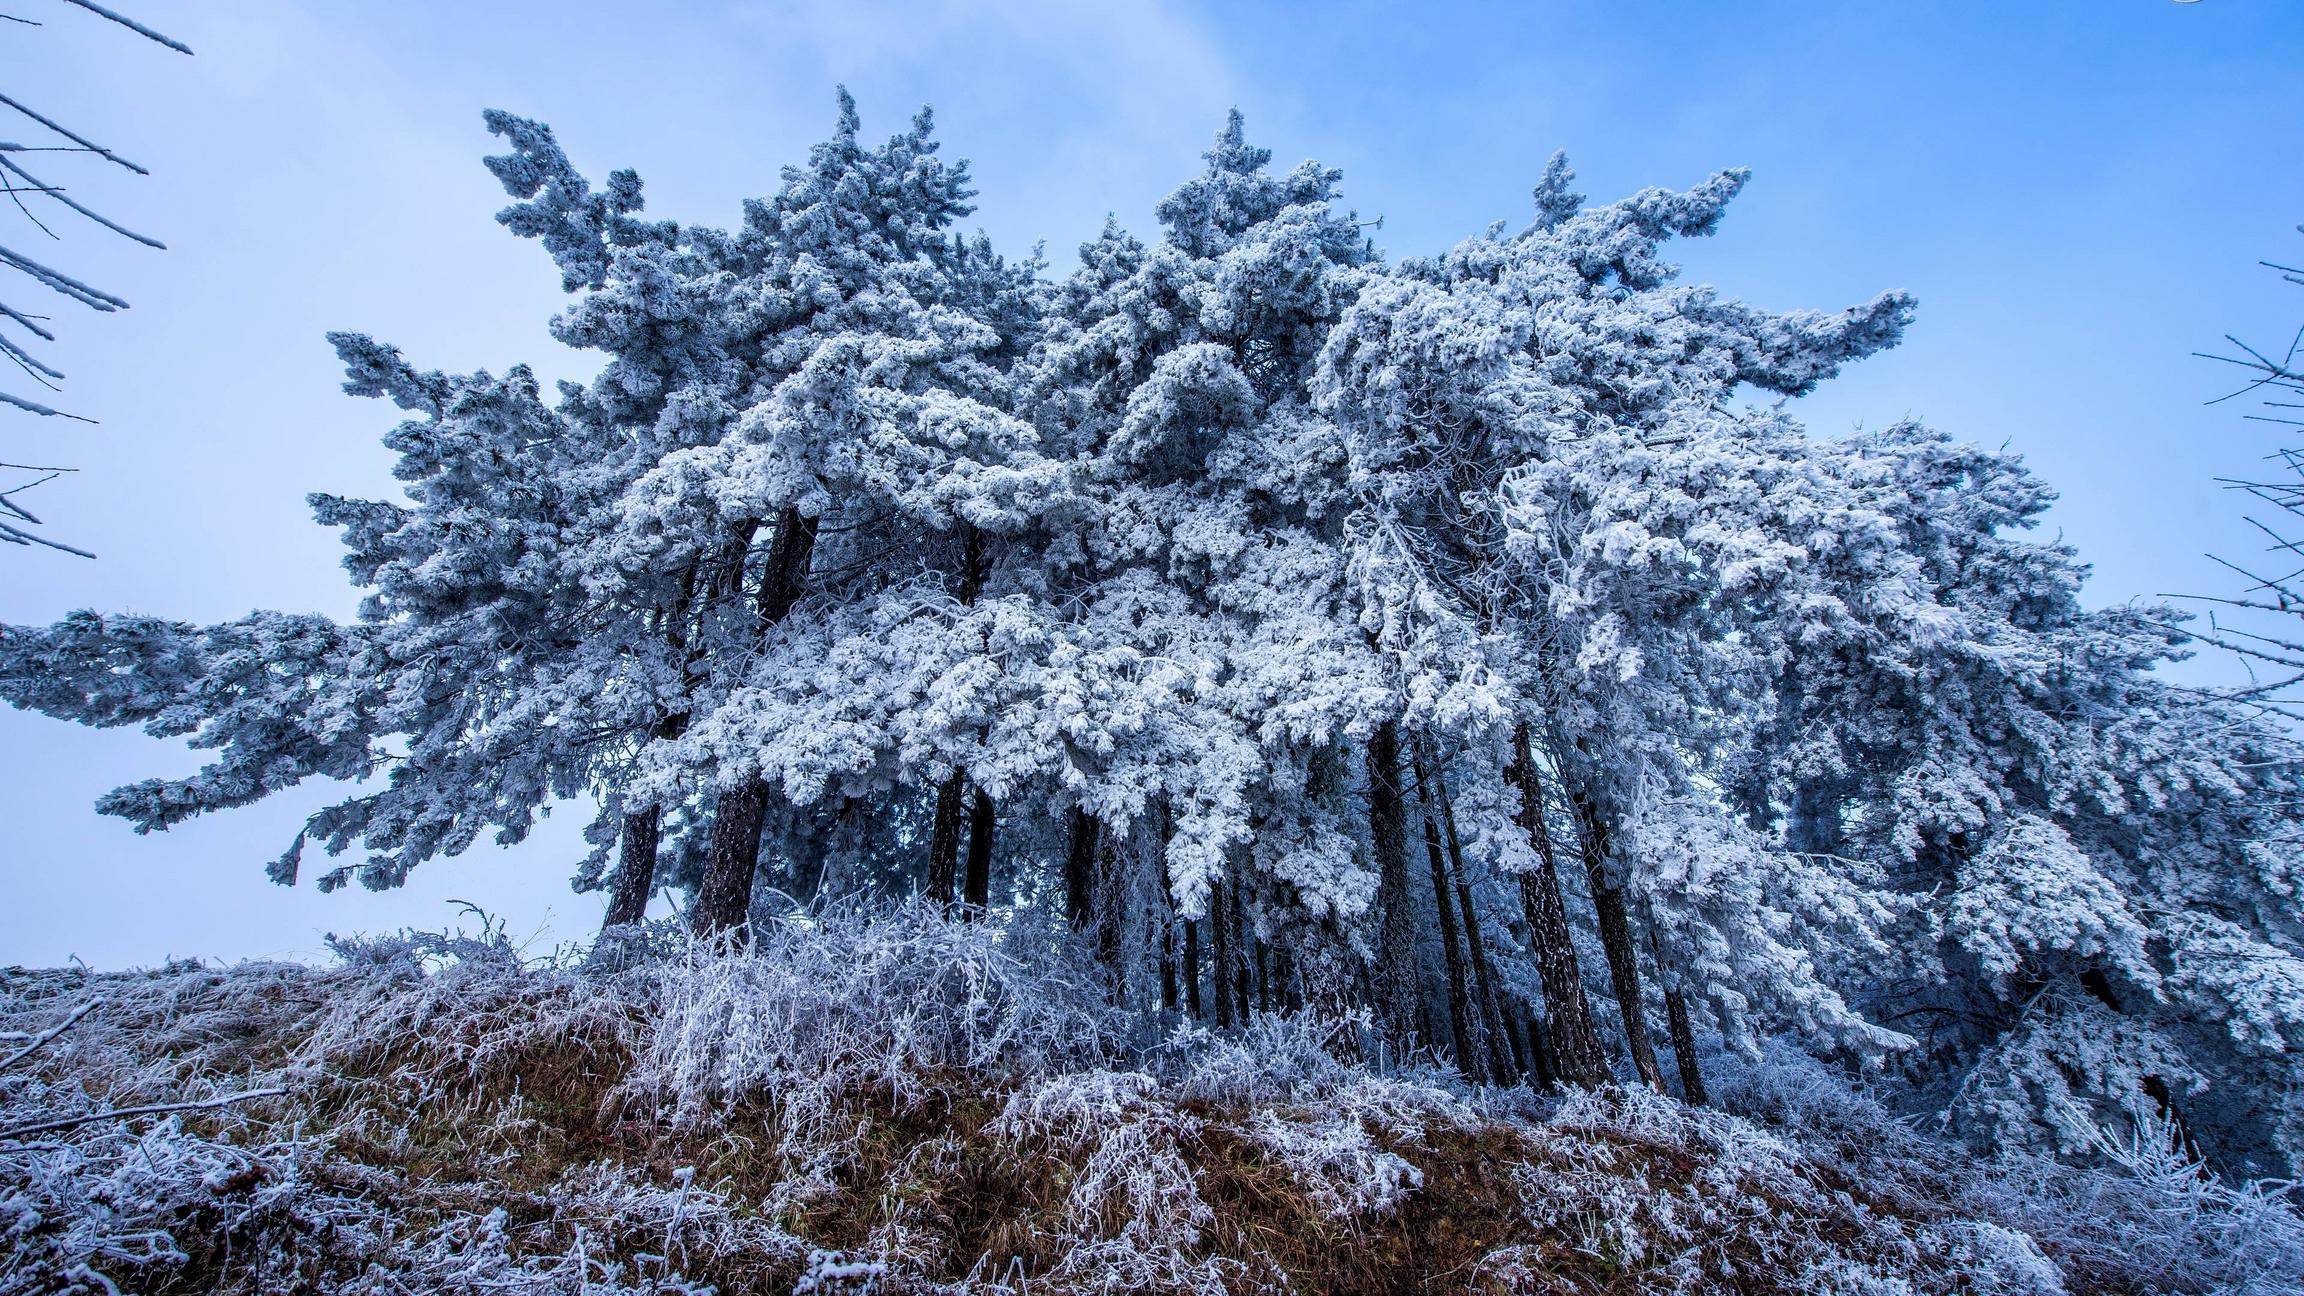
x=2077 y=192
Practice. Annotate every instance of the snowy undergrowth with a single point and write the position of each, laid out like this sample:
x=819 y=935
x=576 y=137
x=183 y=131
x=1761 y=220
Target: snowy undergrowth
x=888 y=1103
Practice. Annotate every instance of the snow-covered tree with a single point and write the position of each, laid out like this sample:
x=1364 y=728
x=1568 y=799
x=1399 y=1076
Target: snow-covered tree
x=1285 y=630
x=2092 y=847
x=1556 y=518
x=1205 y=582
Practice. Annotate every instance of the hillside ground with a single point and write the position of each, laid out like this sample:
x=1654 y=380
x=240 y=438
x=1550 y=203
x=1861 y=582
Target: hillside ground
x=893 y=1104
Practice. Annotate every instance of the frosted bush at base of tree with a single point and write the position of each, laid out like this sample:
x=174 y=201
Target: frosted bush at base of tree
x=2146 y=1212
x=1283 y=1058
x=112 y=1202
x=843 y=1001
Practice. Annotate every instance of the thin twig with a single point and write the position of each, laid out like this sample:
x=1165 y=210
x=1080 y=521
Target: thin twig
x=40 y=1041
x=124 y=1113
x=84 y=142
x=132 y=25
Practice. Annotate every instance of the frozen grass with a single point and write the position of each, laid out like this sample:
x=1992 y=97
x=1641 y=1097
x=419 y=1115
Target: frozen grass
x=887 y=1103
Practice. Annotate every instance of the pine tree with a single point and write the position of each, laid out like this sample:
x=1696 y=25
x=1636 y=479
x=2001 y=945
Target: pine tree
x=1169 y=607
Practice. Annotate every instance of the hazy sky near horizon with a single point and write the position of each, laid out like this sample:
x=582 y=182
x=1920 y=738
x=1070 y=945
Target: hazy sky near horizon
x=2078 y=193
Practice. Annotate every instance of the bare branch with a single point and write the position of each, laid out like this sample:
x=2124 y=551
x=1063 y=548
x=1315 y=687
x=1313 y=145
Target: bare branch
x=27 y=321
x=34 y=407
x=94 y=298
x=132 y=25
x=57 y=193
x=40 y=1041
x=19 y=536
x=88 y=144
x=125 y=1113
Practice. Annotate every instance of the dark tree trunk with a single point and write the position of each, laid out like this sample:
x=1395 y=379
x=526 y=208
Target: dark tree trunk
x=1110 y=916
x=643 y=830
x=1192 y=968
x=1243 y=956
x=724 y=898
x=1684 y=1047
x=1167 y=918
x=1543 y=1072
x=1168 y=962
x=1679 y=1024
x=1504 y=1070
x=1616 y=939
x=1219 y=955
x=1080 y=870
x=1575 y=1048
x=1399 y=999
x=944 y=842
x=1470 y=1061
x=945 y=883
x=635 y=869
x=978 y=895
x=1516 y=1041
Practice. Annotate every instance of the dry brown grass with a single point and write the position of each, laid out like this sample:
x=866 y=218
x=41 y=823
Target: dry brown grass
x=426 y=1099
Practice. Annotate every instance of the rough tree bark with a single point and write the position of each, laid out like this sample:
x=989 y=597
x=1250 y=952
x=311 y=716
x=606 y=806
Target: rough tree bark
x=1243 y=956
x=1111 y=914
x=1677 y=1022
x=724 y=899
x=1168 y=960
x=1192 y=968
x=1616 y=937
x=1471 y=1059
x=1398 y=1000
x=644 y=829
x=1080 y=870
x=977 y=895
x=1541 y=1069
x=1504 y=1050
x=1219 y=951
x=1684 y=1047
x=944 y=842
x=1574 y=1047
x=635 y=868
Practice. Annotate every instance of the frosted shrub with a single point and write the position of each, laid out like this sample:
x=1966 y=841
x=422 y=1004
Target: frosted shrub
x=1674 y=1195
x=1292 y=1059
x=1275 y=1057
x=825 y=1006
x=455 y=1009
x=675 y=1226
x=2141 y=1215
x=2148 y=1215
x=114 y=1206
x=1337 y=1164
x=1133 y=1213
